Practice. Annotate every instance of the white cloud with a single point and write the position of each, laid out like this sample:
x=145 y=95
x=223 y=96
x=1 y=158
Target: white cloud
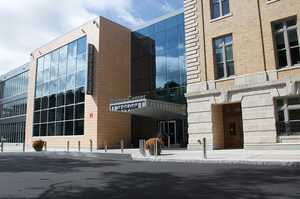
x=27 y=25
x=167 y=8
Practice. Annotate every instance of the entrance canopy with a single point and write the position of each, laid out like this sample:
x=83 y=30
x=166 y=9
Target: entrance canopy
x=150 y=108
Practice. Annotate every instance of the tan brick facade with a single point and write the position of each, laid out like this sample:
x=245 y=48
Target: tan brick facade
x=111 y=79
x=257 y=82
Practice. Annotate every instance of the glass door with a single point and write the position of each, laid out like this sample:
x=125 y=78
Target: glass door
x=169 y=128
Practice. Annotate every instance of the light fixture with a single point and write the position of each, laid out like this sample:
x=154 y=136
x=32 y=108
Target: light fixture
x=82 y=30
x=40 y=52
x=95 y=22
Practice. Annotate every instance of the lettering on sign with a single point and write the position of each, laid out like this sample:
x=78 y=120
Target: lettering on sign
x=91 y=115
x=128 y=99
x=90 y=63
x=126 y=107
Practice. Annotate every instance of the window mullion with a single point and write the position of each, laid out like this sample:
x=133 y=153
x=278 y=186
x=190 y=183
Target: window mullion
x=224 y=60
x=286 y=114
x=287 y=45
x=221 y=7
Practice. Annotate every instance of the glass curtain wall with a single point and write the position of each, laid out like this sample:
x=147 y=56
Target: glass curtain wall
x=158 y=70
x=14 y=86
x=60 y=91
x=15 y=108
x=13 y=132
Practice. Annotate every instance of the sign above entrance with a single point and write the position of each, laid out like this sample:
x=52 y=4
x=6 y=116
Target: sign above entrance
x=141 y=106
x=128 y=99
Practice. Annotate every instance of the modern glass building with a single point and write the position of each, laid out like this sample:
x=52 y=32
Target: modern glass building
x=158 y=71
x=74 y=81
x=13 y=104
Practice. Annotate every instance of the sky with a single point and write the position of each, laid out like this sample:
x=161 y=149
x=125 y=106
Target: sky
x=26 y=25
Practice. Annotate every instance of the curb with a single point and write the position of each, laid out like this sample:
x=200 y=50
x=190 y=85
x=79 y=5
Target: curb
x=244 y=162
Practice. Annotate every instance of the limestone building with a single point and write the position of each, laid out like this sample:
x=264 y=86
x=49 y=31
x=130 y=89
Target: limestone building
x=243 y=73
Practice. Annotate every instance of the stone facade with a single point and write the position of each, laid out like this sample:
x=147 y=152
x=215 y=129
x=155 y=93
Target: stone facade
x=257 y=82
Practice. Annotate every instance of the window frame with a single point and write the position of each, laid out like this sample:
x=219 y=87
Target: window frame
x=223 y=46
x=220 y=2
x=286 y=108
x=287 y=48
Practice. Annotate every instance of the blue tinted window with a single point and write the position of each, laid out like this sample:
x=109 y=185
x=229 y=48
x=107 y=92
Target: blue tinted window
x=171 y=37
x=181 y=34
x=159 y=26
x=62 y=69
x=151 y=29
x=40 y=63
x=180 y=18
x=81 y=46
x=39 y=77
x=80 y=78
x=72 y=49
x=38 y=91
x=70 y=81
x=54 y=57
x=173 y=79
x=183 y=77
x=161 y=63
x=53 y=71
x=172 y=60
x=81 y=62
x=161 y=81
x=53 y=86
x=63 y=53
x=170 y=22
x=71 y=66
x=144 y=31
x=47 y=61
x=45 y=89
x=216 y=10
x=228 y=39
x=46 y=75
x=226 y=9
x=62 y=83
x=160 y=41
x=182 y=57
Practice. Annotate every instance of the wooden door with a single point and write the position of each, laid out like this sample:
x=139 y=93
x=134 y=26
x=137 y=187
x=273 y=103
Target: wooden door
x=233 y=126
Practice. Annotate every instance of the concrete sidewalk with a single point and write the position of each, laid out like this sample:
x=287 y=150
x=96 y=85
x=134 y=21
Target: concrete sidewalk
x=224 y=156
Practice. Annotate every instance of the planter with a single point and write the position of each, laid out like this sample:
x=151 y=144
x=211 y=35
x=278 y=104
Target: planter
x=39 y=149
x=151 y=152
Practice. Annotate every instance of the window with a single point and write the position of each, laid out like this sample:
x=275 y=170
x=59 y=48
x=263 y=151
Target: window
x=286 y=43
x=219 y=8
x=224 y=61
x=60 y=91
x=288 y=116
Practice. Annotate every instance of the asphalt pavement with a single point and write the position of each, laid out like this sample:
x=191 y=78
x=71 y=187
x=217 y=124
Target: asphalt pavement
x=224 y=156
x=81 y=175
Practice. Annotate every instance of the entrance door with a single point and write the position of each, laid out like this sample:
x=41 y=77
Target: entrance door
x=233 y=126
x=170 y=128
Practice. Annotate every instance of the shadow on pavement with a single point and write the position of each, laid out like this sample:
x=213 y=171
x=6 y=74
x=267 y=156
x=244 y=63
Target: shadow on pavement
x=226 y=181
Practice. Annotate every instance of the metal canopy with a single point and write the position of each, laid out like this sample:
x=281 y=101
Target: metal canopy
x=150 y=108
